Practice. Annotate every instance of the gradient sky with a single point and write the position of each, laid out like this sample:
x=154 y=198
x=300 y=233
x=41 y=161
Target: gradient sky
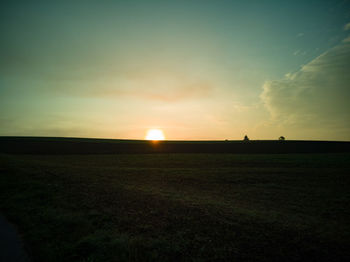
x=196 y=69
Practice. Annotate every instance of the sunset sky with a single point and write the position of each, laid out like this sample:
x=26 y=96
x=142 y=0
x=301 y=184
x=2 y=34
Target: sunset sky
x=195 y=69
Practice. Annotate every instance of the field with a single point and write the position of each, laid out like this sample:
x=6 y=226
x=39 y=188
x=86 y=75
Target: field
x=52 y=145
x=179 y=207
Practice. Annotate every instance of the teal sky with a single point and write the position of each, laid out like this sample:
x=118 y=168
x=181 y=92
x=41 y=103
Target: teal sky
x=196 y=69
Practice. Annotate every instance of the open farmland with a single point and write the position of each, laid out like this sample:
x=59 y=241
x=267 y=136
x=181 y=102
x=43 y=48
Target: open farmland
x=171 y=207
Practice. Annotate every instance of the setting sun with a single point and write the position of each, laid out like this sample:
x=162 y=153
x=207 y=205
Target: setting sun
x=155 y=134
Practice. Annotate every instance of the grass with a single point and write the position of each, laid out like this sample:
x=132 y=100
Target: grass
x=172 y=207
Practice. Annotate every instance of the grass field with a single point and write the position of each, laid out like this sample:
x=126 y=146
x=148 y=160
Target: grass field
x=179 y=207
x=64 y=145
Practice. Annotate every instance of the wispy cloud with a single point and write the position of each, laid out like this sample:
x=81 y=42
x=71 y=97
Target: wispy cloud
x=106 y=80
x=347 y=27
x=151 y=90
x=299 y=52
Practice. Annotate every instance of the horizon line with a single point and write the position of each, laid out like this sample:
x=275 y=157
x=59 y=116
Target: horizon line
x=171 y=140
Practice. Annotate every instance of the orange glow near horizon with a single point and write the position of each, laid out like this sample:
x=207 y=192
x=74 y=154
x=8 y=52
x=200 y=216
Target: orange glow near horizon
x=155 y=134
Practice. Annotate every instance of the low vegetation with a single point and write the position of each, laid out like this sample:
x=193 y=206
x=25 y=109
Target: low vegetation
x=179 y=207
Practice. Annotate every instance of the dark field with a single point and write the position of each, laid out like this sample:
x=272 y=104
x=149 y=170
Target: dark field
x=56 y=145
x=179 y=207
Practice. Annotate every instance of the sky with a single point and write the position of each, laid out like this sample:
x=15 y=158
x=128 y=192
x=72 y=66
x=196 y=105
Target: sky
x=197 y=69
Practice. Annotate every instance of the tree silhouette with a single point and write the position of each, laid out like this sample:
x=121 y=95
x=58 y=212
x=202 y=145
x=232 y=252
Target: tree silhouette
x=246 y=138
x=281 y=138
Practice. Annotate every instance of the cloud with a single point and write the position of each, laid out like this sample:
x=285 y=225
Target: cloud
x=347 y=27
x=111 y=80
x=346 y=39
x=174 y=94
x=147 y=89
x=316 y=97
x=148 y=85
x=299 y=53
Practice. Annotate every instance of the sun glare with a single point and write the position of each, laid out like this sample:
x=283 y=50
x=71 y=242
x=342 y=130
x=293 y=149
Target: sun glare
x=155 y=134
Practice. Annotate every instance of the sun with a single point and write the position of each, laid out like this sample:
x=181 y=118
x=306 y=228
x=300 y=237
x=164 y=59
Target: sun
x=155 y=134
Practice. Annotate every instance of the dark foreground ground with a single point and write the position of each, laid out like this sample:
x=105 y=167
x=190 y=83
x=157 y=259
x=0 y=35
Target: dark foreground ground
x=11 y=246
x=179 y=207
x=56 y=145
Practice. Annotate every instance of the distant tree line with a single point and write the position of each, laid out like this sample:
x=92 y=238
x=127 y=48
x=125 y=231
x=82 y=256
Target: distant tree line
x=246 y=138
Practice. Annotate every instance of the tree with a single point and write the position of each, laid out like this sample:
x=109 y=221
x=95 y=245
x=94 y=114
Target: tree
x=246 y=138
x=281 y=138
